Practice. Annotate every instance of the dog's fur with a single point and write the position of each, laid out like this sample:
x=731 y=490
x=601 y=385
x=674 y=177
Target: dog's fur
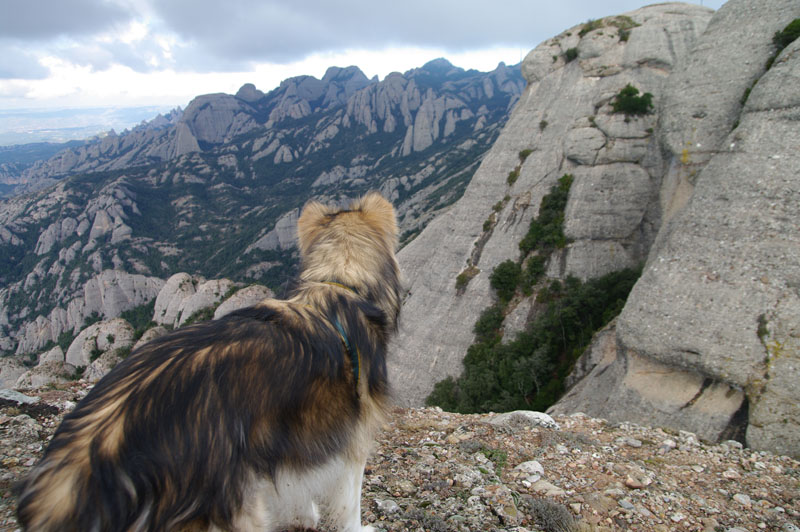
x=259 y=420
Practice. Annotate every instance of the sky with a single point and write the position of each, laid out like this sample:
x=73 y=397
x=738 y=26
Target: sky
x=57 y=54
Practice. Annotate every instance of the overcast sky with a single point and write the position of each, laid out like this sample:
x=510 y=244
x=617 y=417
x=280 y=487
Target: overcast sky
x=89 y=53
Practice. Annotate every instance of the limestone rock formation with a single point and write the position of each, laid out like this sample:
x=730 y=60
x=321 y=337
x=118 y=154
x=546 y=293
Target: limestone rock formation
x=45 y=374
x=566 y=121
x=183 y=295
x=245 y=297
x=150 y=334
x=97 y=339
x=10 y=370
x=715 y=313
x=100 y=366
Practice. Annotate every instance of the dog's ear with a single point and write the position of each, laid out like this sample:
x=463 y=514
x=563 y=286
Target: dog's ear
x=378 y=212
x=310 y=220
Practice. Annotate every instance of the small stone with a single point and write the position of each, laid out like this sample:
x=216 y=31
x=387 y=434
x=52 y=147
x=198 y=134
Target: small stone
x=542 y=486
x=531 y=467
x=731 y=474
x=743 y=499
x=387 y=506
x=637 y=481
x=626 y=504
x=677 y=517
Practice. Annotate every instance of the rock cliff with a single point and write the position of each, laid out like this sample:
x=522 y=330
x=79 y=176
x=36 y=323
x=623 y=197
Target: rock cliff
x=565 y=119
x=704 y=190
x=715 y=314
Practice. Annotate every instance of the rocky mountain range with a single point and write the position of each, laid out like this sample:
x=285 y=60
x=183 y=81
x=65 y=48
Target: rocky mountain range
x=215 y=189
x=703 y=190
x=699 y=188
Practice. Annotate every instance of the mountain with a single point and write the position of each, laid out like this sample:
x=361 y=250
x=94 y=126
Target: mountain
x=702 y=189
x=215 y=189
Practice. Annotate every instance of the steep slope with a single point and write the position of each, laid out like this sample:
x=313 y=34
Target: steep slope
x=715 y=314
x=704 y=190
x=216 y=193
x=566 y=118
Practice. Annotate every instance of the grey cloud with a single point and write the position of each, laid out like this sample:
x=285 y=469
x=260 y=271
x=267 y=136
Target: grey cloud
x=101 y=56
x=19 y=64
x=37 y=20
x=282 y=31
x=287 y=30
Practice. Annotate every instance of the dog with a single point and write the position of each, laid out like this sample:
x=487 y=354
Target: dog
x=260 y=420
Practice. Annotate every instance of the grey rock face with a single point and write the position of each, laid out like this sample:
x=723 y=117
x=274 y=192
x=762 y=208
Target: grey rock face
x=214 y=118
x=243 y=298
x=99 y=338
x=108 y=294
x=565 y=118
x=100 y=367
x=45 y=374
x=10 y=370
x=715 y=313
x=184 y=294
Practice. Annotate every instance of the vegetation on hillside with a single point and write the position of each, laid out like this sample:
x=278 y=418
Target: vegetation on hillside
x=629 y=102
x=529 y=371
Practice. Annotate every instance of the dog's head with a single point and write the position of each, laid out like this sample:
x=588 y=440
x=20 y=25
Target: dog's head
x=353 y=246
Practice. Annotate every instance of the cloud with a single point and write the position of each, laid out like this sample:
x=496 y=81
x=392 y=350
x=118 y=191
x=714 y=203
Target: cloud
x=283 y=31
x=40 y=20
x=16 y=63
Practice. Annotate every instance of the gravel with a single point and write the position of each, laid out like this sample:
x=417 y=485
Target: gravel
x=437 y=471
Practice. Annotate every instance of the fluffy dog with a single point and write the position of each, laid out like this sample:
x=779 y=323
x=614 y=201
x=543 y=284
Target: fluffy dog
x=260 y=420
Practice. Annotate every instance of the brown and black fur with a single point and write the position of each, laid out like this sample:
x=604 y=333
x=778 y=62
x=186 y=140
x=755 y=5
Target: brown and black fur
x=186 y=432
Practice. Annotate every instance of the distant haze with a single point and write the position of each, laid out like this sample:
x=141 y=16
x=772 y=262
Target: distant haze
x=22 y=126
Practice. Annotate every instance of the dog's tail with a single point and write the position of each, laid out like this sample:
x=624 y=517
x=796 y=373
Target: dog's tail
x=70 y=489
x=48 y=497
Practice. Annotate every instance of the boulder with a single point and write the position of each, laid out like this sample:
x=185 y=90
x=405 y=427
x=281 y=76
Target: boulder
x=11 y=368
x=100 y=367
x=46 y=374
x=97 y=339
x=245 y=297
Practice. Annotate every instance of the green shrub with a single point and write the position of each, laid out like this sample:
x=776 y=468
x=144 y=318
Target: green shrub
x=590 y=25
x=629 y=102
x=505 y=278
x=524 y=153
x=534 y=270
x=787 y=35
x=463 y=278
x=512 y=176
x=487 y=327
x=529 y=372
x=546 y=230
x=570 y=55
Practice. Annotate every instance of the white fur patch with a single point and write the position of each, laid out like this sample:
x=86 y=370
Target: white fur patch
x=329 y=495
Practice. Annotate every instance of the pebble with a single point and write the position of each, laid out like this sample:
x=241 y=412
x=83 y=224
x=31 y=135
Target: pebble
x=743 y=499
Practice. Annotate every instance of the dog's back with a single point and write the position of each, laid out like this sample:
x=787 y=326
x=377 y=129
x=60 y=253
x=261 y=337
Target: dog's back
x=178 y=431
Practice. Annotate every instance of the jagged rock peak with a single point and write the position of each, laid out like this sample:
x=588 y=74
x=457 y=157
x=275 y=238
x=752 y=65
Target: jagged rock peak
x=249 y=93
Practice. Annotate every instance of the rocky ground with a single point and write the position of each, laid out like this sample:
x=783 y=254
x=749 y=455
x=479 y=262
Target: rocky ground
x=435 y=471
